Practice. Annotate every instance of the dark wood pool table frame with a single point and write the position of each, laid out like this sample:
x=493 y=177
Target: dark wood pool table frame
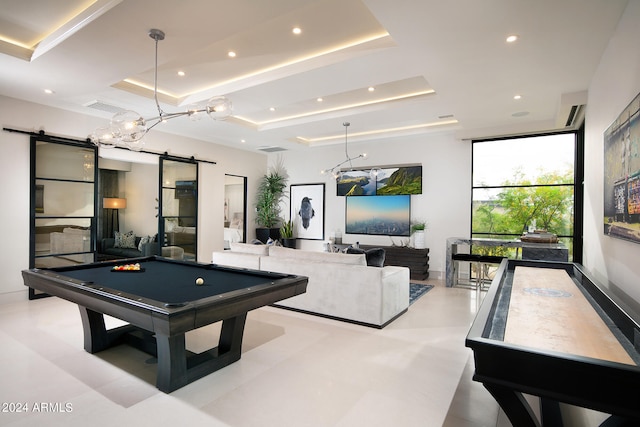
x=160 y=330
x=508 y=371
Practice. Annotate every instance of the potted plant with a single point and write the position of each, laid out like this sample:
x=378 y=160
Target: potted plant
x=286 y=232
x=268 y=198
x=417 y=229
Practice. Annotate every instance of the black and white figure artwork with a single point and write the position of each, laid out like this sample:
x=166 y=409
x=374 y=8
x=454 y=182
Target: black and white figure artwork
x=307 y=211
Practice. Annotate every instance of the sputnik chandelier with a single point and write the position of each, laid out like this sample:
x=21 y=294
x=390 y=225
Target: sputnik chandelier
x=336 y=172
x=128 y=127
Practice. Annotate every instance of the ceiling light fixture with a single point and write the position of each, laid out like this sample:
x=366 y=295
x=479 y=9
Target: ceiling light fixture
x=512 y=38
x=335 y=171
x=128 y=127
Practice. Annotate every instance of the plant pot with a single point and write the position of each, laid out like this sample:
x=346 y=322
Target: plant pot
x=263 y=234
x=289 y=243
x=418 y=239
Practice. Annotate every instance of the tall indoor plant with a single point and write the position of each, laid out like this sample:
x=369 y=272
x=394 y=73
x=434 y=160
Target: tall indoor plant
x=271 y=192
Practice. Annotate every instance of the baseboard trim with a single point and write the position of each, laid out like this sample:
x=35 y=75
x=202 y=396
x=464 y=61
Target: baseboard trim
x=341 y=319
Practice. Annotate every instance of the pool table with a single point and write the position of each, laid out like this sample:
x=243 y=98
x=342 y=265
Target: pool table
x=161 y=302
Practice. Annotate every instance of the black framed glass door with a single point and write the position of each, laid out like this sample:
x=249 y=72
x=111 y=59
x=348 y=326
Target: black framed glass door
x=178 y=208
x=63 y=203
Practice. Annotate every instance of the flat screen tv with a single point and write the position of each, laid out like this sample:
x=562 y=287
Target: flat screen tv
x=378 y=215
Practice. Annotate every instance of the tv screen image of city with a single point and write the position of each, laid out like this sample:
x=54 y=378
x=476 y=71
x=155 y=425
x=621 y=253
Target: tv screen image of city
x=378 y=215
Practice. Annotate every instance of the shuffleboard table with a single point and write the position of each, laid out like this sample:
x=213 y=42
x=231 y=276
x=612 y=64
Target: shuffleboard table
x=548 y=329
x=161 y=302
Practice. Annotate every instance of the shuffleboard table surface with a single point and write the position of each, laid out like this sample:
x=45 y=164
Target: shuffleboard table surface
x=548 y=311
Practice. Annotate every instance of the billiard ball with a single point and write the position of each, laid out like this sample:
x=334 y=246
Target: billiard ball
x=199 y=281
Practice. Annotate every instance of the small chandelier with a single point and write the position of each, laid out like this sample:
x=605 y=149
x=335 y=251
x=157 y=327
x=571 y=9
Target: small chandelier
x=128 y=127
x=335 y=171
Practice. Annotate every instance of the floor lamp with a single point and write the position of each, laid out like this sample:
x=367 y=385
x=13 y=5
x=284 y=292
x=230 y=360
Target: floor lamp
x=113 y=204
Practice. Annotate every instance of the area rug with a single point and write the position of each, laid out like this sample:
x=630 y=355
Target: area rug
x=416 y=291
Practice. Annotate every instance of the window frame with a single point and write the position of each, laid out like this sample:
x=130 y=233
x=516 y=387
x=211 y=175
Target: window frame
x=578 y=187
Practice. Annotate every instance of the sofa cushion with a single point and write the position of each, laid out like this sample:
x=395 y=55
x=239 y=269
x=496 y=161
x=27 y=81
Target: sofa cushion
x=125 y=240
x=246 y=248
x=236 y=259
x=325 y=257
x=375 y=256
x=143 y=241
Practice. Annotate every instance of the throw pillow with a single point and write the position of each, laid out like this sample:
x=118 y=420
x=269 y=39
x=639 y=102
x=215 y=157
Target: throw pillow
x=144 y=241
x=125 y=240
x=375 y=257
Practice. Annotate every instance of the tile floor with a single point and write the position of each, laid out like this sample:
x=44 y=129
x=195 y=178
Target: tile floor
x=296 y=370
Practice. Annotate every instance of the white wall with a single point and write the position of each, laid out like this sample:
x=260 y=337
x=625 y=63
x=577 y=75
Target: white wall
x=615 y=84
x=141 y=192
x=14 y=167
x=446 y=195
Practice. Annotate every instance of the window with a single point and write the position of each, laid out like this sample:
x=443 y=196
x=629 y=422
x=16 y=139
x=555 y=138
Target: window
x=525 y=183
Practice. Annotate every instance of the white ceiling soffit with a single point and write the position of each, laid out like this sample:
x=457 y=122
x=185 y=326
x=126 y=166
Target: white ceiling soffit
x=431 y=67
x=42 y=31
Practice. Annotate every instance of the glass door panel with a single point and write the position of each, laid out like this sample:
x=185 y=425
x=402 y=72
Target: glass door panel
x=62 y=203
x=235 y=209
x=179 y=208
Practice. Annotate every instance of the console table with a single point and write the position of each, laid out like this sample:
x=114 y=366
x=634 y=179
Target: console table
x=417 y=260
x=530 y=250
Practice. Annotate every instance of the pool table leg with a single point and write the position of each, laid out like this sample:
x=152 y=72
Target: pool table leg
x=178 y=367
x=96 y=335
x=172 y=362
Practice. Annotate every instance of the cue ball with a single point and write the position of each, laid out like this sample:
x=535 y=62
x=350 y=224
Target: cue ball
x=199 y=281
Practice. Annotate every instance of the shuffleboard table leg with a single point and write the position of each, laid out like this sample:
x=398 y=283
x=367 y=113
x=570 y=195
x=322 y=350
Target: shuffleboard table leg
x=514 y=405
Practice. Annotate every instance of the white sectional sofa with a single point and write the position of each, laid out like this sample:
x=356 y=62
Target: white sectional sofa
x=340 y=286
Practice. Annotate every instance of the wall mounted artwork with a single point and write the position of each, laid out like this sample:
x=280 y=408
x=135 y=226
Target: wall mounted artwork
x=622 y=175
x=307 y=211
x=391 y=180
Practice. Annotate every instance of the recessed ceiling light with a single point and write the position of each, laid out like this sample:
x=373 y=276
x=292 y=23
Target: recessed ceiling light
x=272 y=109
x=181 y=73
x=243 y=141
x=516 y=97
x=512 y=38
x=319 y=99
x=296 y=30
x=371 y=89
x=49 y=91
x=231 y=54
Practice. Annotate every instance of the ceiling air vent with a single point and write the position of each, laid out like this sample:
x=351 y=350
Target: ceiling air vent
x=271 y=149
x=574 y=116
x=99 y=105
x=571 y=110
